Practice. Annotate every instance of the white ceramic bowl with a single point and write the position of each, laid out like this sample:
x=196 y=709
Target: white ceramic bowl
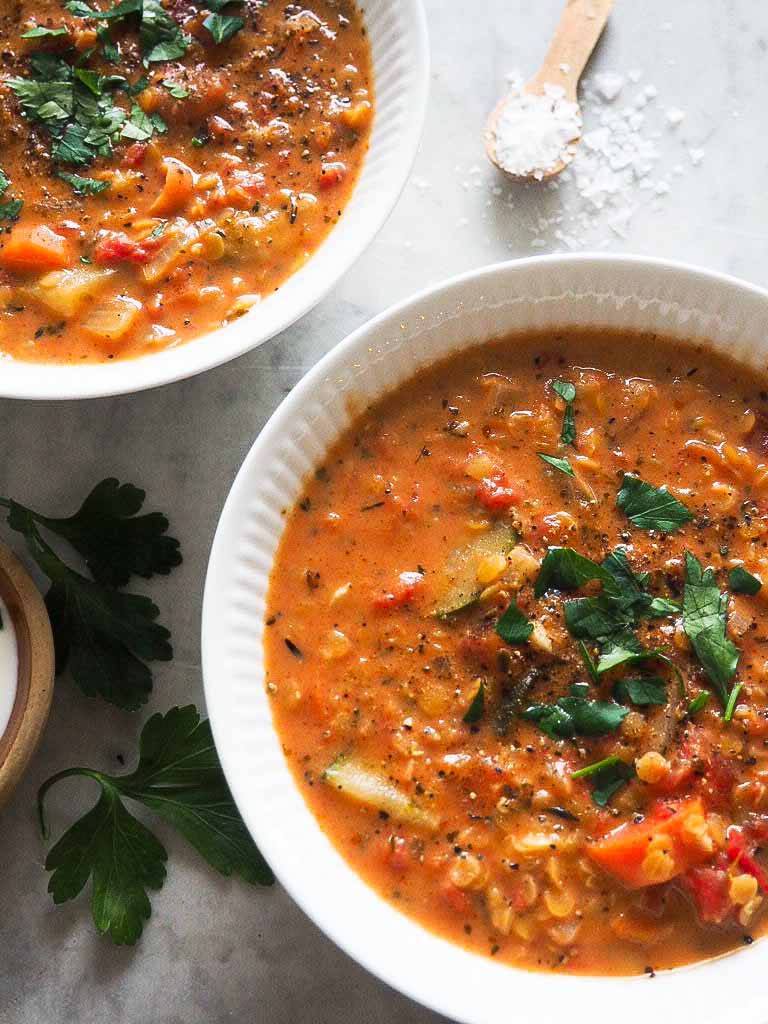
x=398 y=35
x=560 y=291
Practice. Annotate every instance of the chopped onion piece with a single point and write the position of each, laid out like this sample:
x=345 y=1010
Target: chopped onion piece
x=111 y=319
x=65 y=291
x=181 y=235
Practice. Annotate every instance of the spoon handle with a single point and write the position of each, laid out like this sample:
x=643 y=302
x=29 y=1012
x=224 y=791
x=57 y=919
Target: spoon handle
x=575 y=38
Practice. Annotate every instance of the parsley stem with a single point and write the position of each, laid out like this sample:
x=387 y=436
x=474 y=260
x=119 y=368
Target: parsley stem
x=730 y=707
x=49 y=783
x=592 y=769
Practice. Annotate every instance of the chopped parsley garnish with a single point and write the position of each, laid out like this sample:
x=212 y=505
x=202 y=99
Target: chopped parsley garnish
x=567 y=392
x=41 y=31
x=699 y=701
x=607 y=776
x=742 y=582
x=643 y=691
x=223 y=26
x=102 y=634
x=84 y=186
x=705 y=621
x=74 y=105
x=562 y=464
x=175 y=89
x=160 y=36
x=12 y=209
x=651 y=508
x=513 y=627
x=576 y=715
x=475 y=710
x=730 y=706
x=178 y=777
x=140 y=126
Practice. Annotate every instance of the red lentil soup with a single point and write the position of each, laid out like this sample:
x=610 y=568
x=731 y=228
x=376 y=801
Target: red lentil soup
x=517 y=651
x=167 y=164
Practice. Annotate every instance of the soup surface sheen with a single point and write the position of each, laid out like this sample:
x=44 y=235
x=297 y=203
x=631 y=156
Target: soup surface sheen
x=166 y=165
x=528 y=700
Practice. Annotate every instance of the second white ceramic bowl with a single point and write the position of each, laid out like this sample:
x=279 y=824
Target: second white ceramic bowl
x=551 y=291
x=398 y=36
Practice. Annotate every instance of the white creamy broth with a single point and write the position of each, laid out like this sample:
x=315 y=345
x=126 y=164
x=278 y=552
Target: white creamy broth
x=9 y=667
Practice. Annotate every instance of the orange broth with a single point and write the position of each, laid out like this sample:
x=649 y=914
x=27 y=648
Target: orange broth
x=430 y=520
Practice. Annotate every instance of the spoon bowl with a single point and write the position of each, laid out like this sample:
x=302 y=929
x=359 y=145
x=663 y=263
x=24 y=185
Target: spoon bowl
x=533 y=132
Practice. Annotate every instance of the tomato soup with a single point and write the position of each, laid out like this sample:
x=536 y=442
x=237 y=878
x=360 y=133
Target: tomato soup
x=517 y=651
x=165 y=166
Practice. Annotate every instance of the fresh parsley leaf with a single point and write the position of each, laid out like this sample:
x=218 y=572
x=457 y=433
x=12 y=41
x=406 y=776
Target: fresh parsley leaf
x=160 y=36
x=109 y=47
x=513 y=627
x=567 y=392
x=576 y=715
x=661 y=608
x=223 y=26
x=475 y=710
x=115 y=541
x=5 y=183
x=141 y=126
x=40 y=31
x=179 y=778
x=742 y=582
x=699 y=701
x=11 y=210
x=176 y=89
x=103 y=635
x=219 y=5
x=74 y=105
x=608 y=776
x=705 y=615
x=651 y=508
x=589 y=662
x=643 y=691
x=562 y=464
x=566 y=569
x=84 y=186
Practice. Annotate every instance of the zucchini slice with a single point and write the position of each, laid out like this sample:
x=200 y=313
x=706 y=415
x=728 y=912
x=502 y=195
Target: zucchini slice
x=364 y=785
x=456 y=583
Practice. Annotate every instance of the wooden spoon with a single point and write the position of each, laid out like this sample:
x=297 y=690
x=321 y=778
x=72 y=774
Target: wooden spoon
x=576 y=36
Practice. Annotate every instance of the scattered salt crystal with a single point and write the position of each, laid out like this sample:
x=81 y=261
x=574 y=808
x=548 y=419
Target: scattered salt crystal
x=696 y=155
x=565 y=68
x=609 y=85
x=662 y=188
x=420 y=183
x=675 y=116
x=666 y=26
x=634 y=75
x=533 y=134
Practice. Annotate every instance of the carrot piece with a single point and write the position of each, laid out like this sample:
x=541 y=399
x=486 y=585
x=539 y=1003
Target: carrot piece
x=668 y=843
x=177 y=190
x=35 y=248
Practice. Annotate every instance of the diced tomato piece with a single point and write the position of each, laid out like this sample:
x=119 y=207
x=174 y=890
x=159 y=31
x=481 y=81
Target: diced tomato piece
x=117 y=247
x=332 y=174
x=740 y=852
x=709 y=888
x=399 y=856
x=672 y=830
x=496 y=494
x=719 y=779
x=35 y=248
x=402 y=593
x=135 y=154
x=456 y=898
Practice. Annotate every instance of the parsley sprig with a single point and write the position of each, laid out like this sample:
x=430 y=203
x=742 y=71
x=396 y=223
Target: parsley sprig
x=178 y=777
x=104 y=635
x=705 y=621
